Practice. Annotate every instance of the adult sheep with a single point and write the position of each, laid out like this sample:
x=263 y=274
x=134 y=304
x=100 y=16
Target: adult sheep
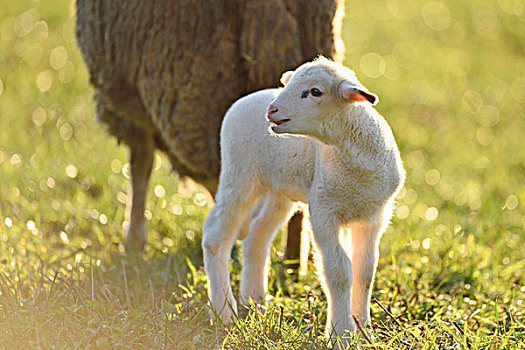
x=165 y=72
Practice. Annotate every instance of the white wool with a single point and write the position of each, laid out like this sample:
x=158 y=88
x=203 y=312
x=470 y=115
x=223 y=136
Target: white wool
x=333 y=151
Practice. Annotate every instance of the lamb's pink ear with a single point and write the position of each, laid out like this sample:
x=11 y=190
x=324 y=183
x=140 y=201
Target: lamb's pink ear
x=285 y=78
x=353 y=92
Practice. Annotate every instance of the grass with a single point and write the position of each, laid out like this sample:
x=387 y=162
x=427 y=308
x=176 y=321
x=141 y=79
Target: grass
x=452 y=270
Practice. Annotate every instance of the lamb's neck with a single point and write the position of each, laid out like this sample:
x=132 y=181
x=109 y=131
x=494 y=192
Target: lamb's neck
x=351 y=134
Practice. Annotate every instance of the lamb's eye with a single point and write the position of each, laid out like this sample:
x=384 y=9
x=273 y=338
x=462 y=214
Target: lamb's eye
x=316 y=92
x=304 y=94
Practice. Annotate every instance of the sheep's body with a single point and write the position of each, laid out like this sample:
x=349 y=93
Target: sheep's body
x=165 y=72
x=348 y=171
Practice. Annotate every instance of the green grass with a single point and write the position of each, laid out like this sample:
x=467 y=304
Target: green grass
x=451 y=80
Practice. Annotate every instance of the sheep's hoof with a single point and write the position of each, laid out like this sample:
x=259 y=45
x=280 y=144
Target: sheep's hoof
x=135 y=240
x=133 y=247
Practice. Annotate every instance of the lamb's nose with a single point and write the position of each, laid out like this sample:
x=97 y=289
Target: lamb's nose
x=271 y=110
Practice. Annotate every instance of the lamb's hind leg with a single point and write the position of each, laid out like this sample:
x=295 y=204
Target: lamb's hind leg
x=269 y=214
x=219 y=232
x=245 y=226
x=141 y=162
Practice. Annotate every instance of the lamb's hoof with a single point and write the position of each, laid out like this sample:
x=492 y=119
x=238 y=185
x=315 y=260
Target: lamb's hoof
x=344 y=343
x=225 y=317
x=244 y=311
x=348 y=341
x=255 y=311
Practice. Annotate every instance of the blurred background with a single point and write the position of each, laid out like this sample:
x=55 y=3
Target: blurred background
x=451 y=80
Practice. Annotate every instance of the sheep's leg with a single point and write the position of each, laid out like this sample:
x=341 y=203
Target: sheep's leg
x=141 y=163
x=335 y=269
x=219 y=232
x=268 y=215
x=365 y=254
x=294 y=239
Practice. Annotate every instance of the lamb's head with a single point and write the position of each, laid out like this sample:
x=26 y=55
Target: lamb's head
x=313 y=92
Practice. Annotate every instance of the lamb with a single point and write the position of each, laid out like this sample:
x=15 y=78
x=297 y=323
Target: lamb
x=321 y=143
x=164 y=73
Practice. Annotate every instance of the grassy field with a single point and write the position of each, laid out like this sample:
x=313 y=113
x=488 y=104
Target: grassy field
x=451 y=80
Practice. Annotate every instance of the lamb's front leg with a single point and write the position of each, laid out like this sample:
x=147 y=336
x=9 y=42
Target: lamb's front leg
x=365 y=254
x=335 y=269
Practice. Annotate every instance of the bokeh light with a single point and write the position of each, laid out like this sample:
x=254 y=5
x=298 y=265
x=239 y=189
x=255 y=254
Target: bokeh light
x=373 y=65
x=436 y=15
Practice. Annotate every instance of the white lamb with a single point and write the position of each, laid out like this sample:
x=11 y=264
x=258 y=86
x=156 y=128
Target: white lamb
x=348 y=169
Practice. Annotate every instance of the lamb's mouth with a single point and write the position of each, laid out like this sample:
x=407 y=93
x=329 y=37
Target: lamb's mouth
x=279 y=122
